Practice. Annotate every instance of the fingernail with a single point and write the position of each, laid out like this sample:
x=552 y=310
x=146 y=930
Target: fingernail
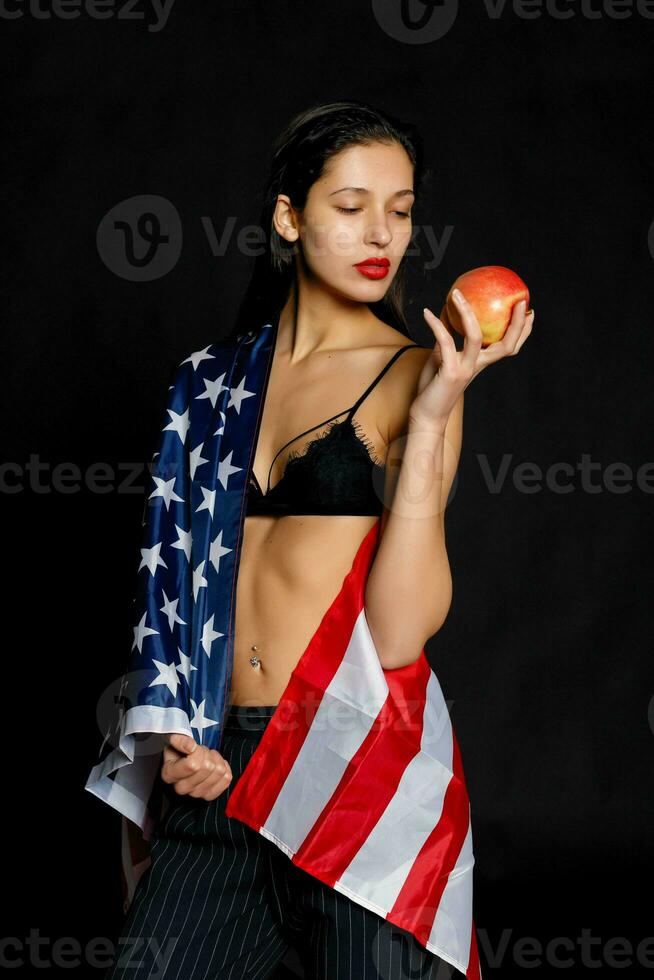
x=457 y=294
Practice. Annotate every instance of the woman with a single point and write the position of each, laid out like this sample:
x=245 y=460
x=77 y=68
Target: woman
x=347 y=398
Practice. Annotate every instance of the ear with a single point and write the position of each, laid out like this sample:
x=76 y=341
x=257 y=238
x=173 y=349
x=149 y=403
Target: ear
x=285 y=219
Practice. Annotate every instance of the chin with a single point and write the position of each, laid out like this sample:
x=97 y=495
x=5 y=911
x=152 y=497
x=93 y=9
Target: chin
x=371 y=290
x=371 y=293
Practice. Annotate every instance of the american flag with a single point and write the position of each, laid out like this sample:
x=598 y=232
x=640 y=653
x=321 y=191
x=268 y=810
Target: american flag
x=178 y=672
x=358 y=779
x=358 y=775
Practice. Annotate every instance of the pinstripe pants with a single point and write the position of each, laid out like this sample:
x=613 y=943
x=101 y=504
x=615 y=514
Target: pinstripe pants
x=221 y=902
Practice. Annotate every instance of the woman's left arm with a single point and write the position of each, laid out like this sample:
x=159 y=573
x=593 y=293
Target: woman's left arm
x=409 y=587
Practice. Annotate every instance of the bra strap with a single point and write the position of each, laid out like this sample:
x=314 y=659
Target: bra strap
x=350 y=413
x=379 y=377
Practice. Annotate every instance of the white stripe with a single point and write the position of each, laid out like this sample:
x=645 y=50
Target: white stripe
x=411 y=814
x=452 y=927
x=129 y=790
x=342 y=722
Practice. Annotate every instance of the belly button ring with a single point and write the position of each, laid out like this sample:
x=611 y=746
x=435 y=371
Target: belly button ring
x=255 y=660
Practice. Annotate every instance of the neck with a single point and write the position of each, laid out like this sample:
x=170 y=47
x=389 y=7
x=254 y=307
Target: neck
x=322 y=323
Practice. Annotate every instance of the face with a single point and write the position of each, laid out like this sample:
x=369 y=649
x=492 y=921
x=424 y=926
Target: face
x=358 y=211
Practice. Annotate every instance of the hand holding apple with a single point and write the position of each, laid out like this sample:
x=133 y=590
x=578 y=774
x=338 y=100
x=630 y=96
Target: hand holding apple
x=492 y=291
x=501 y=299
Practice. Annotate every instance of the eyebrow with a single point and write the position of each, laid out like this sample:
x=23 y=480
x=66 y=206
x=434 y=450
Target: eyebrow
x=364 y=190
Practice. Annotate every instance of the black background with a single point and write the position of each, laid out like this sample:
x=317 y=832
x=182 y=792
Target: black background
x=539 y=132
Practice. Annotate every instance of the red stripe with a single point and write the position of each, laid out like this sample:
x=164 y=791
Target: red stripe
x=417 y=903
x=253 y=795
x=371 y=779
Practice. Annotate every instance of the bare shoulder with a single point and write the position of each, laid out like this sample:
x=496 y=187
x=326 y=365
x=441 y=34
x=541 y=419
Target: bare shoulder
x=399 y=386
x=409 y=364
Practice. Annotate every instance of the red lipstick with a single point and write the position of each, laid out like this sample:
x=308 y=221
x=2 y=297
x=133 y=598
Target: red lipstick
x=373 y=268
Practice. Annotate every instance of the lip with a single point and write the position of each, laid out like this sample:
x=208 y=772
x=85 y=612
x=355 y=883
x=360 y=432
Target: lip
x=374 y=262
x=373 y=268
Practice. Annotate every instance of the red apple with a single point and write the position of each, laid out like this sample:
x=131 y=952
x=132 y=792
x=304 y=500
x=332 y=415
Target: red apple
x=492 y=291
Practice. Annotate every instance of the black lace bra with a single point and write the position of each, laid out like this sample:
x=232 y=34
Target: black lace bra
x=333 y=476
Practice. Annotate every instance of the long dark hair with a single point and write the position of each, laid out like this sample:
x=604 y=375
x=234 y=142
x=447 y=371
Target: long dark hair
x=299 y=156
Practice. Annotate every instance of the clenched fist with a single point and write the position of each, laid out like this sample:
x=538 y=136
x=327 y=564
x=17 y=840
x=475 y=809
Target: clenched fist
x=194 y=769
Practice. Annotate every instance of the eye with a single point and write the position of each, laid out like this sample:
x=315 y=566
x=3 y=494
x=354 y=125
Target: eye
x=403 y=214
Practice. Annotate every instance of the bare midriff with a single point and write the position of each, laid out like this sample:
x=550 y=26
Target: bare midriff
x=291 y=569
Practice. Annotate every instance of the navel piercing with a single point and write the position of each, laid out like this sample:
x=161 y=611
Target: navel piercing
x=255 y=660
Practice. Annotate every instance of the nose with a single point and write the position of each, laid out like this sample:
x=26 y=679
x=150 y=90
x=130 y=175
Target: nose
x=378 y=234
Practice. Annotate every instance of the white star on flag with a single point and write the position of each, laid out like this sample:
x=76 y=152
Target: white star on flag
x=165 y=490
x=150 y=559
x=140 y=633
x=217 y=550
x=198 y=356
x=167 y=675
x=178 y=423
x=225 y=470
x=208 y=502
x=236 y=395
x=169 y=609
x=185 y=666
x=195 y=459
x=184 y=542
x=209 y=634
x=198 y=720
x=199 y=581
x=212 y=389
